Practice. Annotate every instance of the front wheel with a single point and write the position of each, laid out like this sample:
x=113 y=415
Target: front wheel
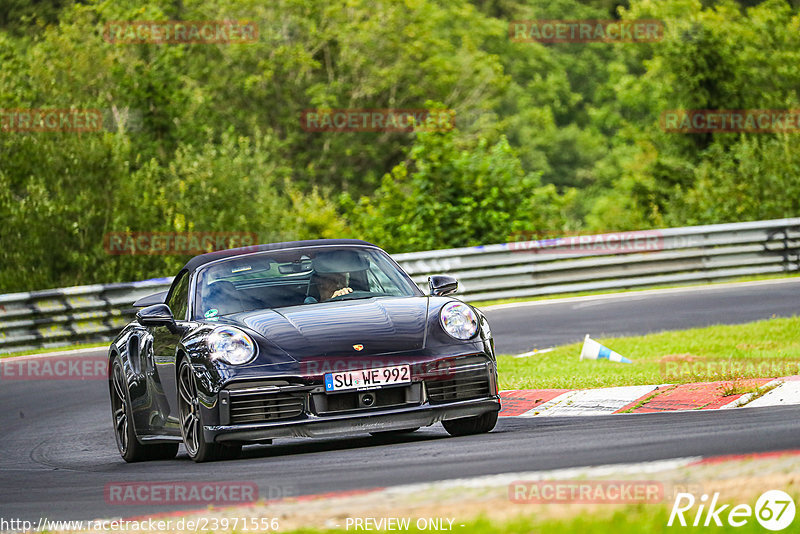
x=196 y=446
x=128 y=445
x=471 y=425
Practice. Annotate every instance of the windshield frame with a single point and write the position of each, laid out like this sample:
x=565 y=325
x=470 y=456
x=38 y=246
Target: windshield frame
x=197 y=275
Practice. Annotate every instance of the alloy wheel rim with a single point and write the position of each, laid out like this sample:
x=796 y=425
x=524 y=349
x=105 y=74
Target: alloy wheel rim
x=120 y=414
x=189 y=410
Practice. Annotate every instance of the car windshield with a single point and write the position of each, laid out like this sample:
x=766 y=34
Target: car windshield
x=305 y=276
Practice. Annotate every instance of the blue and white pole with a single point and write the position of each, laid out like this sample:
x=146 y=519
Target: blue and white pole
x=592 y=350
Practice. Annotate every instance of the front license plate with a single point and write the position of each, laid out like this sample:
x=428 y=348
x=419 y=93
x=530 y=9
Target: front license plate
x=368 y=378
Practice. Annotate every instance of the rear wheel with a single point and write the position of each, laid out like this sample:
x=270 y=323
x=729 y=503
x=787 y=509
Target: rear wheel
x=129 y=447
x=196 y=446
x=471 y=425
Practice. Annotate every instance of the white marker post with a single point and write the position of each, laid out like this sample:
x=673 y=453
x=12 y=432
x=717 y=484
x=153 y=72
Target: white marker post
x=592 y=350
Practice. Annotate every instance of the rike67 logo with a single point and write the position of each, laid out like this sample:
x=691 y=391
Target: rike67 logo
x=774 y=510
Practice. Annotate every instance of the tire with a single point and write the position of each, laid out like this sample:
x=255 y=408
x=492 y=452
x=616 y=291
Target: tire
x=128 y=444
x=392 y=433
x=194 y=442
x=471 y=425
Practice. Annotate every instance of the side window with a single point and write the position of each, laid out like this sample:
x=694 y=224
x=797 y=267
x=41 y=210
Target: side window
x=179 y=298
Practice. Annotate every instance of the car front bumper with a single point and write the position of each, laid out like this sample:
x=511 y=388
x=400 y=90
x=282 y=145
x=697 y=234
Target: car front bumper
x=372 y=421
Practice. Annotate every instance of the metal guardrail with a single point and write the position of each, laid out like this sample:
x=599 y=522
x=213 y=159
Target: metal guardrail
x=60 y=317
x=599 y=262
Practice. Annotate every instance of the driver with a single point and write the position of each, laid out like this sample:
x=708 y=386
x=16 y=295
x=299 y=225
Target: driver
x=330 y=285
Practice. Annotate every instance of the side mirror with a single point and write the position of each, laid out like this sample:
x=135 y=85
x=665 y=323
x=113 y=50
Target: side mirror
x=157 y=315
x=149 y=300
x=442 y=285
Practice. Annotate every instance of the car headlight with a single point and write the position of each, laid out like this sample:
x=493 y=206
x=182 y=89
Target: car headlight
x=458 y=320
x=231 y=345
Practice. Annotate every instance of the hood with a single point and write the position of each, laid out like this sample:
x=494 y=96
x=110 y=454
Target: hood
x=382 y=325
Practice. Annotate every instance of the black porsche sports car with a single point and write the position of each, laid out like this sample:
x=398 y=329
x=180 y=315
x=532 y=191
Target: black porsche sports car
x=308 y=338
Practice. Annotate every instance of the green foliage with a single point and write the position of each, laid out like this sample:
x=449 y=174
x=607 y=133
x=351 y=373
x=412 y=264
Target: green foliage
x=201 y=137
x=20 y=15
x=757 y=178
x=451 y=196
x=719 y=57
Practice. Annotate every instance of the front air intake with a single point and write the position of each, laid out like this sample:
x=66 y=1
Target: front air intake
x=258 y=407
x=469 y=382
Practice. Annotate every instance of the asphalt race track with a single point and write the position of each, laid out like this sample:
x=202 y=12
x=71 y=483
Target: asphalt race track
x=57 y=449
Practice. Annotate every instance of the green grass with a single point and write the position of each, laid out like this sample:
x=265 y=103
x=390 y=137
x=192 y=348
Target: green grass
x=80 y=346
x=631 y=519
x=628 y=520
x=755 y=278
x=774 y=341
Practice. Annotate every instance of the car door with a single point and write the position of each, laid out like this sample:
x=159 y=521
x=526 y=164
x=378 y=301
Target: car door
x=162 y=372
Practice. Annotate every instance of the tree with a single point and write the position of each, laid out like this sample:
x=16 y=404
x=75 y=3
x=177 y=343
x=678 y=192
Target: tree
x=446 y=195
